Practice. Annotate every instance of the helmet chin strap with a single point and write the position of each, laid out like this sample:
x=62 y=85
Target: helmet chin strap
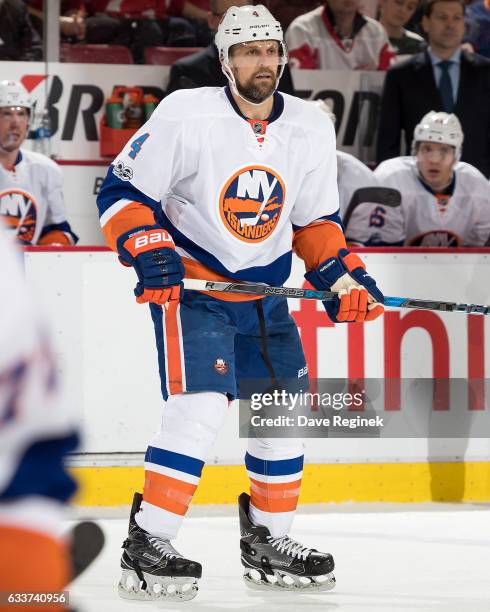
x=231 y=79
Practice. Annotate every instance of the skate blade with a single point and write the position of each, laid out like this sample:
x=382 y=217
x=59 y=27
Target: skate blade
x=282 y=581
x=159 y=588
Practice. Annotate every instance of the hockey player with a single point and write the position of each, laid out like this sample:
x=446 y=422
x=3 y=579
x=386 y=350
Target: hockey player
x=445 y=202
x=36 y=433
x=31 y=195
x=222 y=183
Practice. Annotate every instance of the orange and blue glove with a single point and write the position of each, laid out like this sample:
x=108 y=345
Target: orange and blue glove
x=150 y=250
x=359 y=299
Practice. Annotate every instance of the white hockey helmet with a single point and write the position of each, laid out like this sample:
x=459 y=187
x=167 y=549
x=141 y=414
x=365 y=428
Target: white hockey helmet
x=13 y=93
x=439 y=127
x=244 y=24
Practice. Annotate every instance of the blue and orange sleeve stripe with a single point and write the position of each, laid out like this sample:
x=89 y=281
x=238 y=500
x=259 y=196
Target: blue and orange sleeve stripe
x=134 y=214
x=319 y=240
x=122 y=207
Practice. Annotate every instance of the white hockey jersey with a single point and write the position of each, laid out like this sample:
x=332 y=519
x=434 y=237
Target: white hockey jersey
x=426 y=219
x=313 y=44
x=353 y=175
x=362 y=227
x=36 y=427
x=229 y=195
x=31 y=198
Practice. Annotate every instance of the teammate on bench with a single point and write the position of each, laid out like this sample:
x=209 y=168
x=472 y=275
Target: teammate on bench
x=445 y=202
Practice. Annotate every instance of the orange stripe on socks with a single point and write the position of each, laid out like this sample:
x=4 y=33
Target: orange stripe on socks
x=168 y=493
x=274 y=497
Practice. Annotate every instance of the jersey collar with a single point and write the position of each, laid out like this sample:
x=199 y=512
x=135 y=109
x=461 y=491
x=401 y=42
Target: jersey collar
x=277 y=107
x=17 y=161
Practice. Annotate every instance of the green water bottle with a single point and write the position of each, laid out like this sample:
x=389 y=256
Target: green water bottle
x=114 y=112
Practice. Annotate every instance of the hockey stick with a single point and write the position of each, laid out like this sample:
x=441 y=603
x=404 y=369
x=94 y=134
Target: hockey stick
x=313 y=294
x=262 y=206
x=86 y=541
x=386 y=196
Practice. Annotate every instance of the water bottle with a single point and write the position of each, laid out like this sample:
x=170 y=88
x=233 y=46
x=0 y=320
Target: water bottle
x=114 y=112
x=133 y=108
x=42 y=135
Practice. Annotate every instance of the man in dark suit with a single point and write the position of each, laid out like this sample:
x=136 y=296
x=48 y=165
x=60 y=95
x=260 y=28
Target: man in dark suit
x=203 y=69
x=442 y=78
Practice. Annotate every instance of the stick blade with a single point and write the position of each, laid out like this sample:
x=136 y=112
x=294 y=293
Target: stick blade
x=87 y=540
x=386 y=196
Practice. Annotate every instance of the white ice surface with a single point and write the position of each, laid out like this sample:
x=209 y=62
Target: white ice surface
x=402 y=560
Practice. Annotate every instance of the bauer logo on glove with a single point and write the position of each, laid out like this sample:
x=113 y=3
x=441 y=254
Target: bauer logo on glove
x=150 y=250
x=151 y=239
x=326 y=266
x=359 y=299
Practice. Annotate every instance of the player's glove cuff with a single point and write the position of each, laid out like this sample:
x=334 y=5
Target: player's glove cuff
x=347 y=274
x=140 y=240
x=150 y=250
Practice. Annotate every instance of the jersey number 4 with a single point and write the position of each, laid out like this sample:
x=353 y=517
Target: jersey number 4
x=137 y=144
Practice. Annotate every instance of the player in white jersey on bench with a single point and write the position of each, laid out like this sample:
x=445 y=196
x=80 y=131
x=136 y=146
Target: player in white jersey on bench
x=31 y=184
x=445 y=202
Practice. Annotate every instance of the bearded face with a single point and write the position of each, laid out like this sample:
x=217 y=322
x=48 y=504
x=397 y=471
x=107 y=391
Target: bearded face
x=255 y=66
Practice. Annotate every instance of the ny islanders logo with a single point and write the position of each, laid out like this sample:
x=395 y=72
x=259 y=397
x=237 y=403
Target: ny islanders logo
x=18 y=210
x=251 y=203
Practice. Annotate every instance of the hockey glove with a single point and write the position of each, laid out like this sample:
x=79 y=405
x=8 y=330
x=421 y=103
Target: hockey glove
x=359 y=299
x=151 y=251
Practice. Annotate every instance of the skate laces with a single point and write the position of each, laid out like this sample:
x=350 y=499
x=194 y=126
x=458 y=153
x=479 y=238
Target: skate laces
x=286 y=545
x=164 y=547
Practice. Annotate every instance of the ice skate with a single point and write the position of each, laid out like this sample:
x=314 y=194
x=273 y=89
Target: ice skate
x=280 y=563
x=152 y=570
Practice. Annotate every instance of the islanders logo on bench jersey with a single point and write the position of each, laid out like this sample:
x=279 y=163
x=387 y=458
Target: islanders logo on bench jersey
x=18 y=210
x=251 y=203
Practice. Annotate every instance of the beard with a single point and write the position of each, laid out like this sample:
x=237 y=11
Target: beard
x=254 y=91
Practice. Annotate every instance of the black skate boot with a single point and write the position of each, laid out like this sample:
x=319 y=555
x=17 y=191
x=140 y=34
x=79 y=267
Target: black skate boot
x=280 y=563
x=152 y=570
